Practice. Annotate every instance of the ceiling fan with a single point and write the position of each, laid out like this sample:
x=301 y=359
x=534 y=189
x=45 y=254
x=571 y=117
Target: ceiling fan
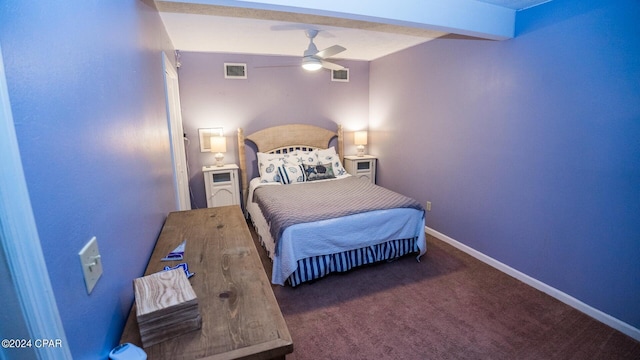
x=314 y=60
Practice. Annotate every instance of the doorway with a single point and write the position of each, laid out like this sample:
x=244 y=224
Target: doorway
x=176 y=135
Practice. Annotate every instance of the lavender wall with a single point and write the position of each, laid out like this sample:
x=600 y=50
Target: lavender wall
x=88 y=104
x=528 y=148
x=269 y=96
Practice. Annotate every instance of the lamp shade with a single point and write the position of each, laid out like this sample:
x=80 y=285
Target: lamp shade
x=218 y=144
x=360 y=138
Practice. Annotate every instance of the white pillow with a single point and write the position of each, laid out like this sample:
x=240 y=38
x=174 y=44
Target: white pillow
x=327 y=151
x=329 y=156
x=305 y=156
x=268 y=165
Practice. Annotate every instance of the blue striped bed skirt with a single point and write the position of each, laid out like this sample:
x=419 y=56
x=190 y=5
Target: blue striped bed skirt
x=318 y=266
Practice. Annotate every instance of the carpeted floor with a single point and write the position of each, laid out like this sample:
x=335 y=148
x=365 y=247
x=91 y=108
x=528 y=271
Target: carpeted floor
x=448 y=306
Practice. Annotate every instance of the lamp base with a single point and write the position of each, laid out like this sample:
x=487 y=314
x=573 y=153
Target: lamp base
x=219 y=157
x=360 y=149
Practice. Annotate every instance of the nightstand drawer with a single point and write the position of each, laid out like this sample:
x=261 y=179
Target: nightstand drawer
x=221 y=177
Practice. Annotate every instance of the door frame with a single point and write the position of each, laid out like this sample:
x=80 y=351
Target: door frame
x=21 y=243
x=176 y=135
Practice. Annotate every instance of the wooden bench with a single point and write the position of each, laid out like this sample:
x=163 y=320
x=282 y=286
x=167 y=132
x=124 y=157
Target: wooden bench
x=240 y=315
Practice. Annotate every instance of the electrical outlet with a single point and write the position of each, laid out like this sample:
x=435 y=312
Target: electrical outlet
x=91 y=264
x=428 y=207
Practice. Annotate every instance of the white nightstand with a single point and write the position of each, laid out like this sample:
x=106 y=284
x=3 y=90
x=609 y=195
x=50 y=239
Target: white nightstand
x=363 y=167
x=221 y=185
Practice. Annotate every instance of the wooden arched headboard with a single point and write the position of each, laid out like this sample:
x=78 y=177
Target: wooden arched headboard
x=286 y=138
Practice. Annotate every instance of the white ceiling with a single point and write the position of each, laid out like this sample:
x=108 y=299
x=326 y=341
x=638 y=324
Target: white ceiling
x=201 y=27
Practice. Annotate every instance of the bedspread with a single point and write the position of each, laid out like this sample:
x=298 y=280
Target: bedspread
x=288 y=205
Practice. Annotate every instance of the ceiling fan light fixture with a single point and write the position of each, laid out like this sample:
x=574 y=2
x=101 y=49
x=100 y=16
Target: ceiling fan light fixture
x=311 y=64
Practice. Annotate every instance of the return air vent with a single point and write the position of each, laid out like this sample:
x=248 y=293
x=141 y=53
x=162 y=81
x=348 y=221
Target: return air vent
x=235 y=71
x=340 y=75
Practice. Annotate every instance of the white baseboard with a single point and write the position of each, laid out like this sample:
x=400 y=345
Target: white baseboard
x=549 y=290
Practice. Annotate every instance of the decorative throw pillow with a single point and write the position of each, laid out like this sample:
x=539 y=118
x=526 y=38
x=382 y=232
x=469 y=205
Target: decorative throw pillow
x=268 y=165
x=329 y=156
x=308 y=157
x=319 y=171
x=327 y=151
x=290 y=174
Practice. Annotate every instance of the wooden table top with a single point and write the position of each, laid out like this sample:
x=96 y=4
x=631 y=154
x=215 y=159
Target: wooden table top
x=240 y=315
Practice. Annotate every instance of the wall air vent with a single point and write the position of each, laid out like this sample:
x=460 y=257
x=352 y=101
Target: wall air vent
x=235 y=71
x=340 y=75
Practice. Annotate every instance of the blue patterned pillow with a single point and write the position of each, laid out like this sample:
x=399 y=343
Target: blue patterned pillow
x=290 y=174
x=319 y=171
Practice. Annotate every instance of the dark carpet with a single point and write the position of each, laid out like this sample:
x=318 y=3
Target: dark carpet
x=448 y=306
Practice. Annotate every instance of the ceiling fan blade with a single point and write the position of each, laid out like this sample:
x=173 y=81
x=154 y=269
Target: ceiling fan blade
x=331 y=66
x=288 y=26
x=330 y=51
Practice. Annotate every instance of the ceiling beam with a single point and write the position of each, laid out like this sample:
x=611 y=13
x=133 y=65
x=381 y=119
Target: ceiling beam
x=463 y=17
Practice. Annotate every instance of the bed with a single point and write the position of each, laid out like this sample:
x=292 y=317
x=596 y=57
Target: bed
x=312 y=217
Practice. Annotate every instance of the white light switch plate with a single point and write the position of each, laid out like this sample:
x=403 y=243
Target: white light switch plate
x=91 y=263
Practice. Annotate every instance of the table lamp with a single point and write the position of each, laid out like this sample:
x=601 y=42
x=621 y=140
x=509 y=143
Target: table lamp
x=360 y=139
x=219 y=146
